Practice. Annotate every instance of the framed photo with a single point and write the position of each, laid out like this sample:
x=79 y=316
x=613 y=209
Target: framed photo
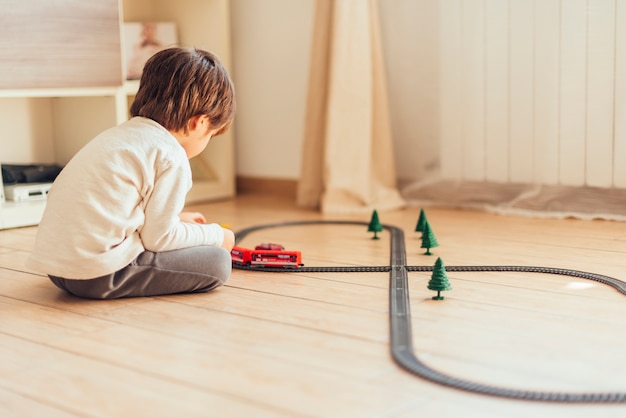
x=144 y=39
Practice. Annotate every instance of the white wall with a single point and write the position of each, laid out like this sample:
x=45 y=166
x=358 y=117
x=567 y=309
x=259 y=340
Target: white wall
x=410 y=32
x=271 y=42
x=271 y=47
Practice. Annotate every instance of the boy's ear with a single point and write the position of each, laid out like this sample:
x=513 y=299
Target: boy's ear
x=198 y=122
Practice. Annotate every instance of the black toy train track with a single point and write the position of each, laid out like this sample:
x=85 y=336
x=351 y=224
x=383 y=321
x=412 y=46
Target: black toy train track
x=401 y=340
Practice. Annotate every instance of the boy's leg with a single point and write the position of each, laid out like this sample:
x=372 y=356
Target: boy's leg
x=194 y=269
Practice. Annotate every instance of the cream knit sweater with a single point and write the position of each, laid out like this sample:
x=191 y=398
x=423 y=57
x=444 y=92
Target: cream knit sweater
x=119 y=195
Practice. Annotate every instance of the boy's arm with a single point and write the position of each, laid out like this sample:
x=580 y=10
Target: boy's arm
x=162 y=229
x=198 y=218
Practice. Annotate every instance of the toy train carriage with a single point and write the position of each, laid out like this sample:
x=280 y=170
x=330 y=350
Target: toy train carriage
x=268 y=258
x=241 y=255
x=266 y=255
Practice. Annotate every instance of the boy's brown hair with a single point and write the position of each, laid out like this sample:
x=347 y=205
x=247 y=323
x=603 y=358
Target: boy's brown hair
x=180 y=83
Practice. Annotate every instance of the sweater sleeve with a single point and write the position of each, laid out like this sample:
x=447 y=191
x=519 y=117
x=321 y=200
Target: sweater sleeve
x=162 y=229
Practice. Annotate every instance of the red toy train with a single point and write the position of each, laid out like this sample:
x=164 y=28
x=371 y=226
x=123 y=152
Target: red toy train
x=266 y=255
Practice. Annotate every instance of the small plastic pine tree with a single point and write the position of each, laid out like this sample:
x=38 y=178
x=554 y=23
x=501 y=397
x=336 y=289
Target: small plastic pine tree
x=421 y=221
x=374 y=226
x=428 y=239
x=439 y=279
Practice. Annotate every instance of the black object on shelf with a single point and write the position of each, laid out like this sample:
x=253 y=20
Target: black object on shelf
x=33 y=173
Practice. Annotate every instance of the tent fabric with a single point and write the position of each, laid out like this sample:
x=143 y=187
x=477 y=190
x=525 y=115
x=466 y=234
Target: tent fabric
x=347 y=160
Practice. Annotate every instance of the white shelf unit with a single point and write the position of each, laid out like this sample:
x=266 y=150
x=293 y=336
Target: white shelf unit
x=49 y=125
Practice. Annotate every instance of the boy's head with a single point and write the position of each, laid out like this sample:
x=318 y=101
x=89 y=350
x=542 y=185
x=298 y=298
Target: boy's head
x=180 y=83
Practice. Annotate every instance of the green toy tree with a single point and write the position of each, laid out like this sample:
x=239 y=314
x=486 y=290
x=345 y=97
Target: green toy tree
x=375 y=226
x=439 y=279
x=428 y=238
x=421 y=221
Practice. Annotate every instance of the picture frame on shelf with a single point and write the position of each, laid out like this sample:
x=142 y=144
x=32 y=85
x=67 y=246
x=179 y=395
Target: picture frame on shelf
x=141 y=40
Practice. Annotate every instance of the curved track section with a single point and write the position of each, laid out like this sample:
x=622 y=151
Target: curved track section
x=401 y=339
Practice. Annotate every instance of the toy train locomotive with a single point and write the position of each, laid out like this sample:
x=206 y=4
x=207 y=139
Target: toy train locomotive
x=266 y=255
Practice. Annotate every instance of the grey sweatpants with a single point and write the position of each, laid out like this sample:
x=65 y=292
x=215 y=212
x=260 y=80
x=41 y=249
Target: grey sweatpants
x=188 y=270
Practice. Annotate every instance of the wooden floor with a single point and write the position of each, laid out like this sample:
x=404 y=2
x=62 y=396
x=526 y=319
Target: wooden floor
x=317 y=345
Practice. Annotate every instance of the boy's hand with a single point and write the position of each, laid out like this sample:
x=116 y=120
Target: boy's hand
x=192 y=217
x=198 y=218
x=229 y=239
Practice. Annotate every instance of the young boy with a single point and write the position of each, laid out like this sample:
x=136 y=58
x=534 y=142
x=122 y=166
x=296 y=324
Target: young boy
x=113 y=225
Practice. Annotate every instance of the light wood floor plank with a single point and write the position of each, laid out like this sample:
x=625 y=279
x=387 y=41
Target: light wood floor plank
x=313 y=348
x=333 y=318
x=92 y=388
x=197 y=361
x=16 y=405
